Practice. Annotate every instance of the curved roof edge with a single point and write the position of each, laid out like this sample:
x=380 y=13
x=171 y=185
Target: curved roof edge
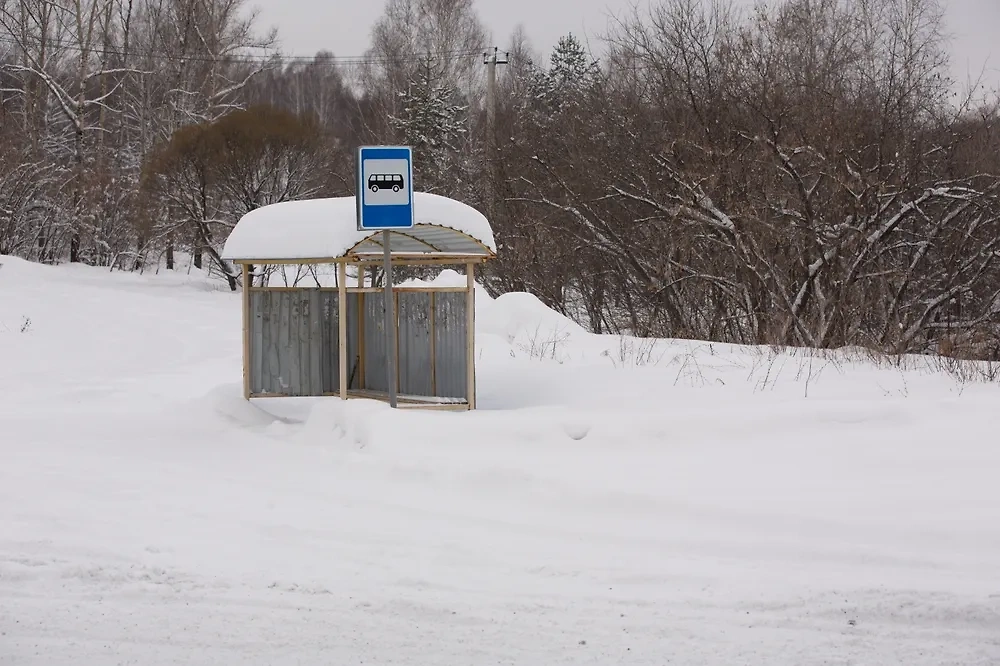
x=327 y=229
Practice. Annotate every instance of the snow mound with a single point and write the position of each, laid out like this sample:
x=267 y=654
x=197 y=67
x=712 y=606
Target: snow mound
x=351 y=424
x=524 y=321
x=368 y=424
x=10 y=265
x=446 y=278
x=226 y=401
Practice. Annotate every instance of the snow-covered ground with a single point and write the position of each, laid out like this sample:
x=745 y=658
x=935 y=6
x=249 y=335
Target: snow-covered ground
x=614 y=501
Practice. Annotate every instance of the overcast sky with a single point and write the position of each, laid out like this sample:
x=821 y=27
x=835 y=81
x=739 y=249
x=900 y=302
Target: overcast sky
x=344 y=26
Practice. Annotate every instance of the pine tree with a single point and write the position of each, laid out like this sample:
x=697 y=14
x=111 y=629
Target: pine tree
x=433 y=123
x=570 y=65
x=571 y=73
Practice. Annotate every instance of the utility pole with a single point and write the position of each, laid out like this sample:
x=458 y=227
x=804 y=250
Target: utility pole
x=491 y=59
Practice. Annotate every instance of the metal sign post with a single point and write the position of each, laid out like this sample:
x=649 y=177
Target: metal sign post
x=385 y=202
x=392 y=359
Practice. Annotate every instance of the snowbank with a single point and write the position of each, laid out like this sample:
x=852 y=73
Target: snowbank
x=446 y=278
x=525 y=323
x=701 y=504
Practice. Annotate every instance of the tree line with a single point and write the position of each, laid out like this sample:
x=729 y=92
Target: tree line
x=804 y=173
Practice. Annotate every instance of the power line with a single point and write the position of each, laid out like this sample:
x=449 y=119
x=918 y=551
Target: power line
x=321 y=58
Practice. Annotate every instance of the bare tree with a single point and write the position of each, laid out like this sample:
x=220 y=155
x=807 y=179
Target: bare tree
x=446 y=35
x=212 y=174
x=73 y=69
x=785 y=177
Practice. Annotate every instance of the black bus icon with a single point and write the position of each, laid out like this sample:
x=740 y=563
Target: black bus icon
x=385 y=181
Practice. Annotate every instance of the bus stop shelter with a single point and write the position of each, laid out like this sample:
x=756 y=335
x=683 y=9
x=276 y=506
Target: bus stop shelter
x=330 y=340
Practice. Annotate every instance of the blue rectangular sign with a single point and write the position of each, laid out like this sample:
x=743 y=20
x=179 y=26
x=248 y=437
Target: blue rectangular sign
x=385 y=188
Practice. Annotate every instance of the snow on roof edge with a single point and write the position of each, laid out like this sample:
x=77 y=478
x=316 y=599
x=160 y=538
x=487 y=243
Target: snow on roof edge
x=327 y=228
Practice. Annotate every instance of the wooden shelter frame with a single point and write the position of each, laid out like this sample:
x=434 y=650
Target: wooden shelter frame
x=361 y=259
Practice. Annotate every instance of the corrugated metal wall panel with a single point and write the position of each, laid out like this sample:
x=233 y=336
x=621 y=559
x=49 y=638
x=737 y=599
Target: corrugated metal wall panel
x=375 y=353
x=353 y=354
x=424 y=238
x=446 y=240
x=294 y=343
x=317 y=354
x=268 y=339
x=449 y=345
x=414 y=343
x=287 y=339
x=257 y=308
x=283 y=353
x=329 y=349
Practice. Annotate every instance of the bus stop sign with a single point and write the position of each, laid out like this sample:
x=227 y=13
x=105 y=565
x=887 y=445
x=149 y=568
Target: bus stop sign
x=385 y=188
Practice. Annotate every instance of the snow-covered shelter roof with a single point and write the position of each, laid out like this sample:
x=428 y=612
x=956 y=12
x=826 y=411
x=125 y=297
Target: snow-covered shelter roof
x=325 y=229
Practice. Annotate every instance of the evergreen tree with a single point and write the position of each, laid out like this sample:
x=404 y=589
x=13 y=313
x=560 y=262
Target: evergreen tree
x=570 y=65
x=571 y=73
x=433 y=122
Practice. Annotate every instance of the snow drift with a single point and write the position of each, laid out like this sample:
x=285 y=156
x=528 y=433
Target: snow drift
x=615 y=501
